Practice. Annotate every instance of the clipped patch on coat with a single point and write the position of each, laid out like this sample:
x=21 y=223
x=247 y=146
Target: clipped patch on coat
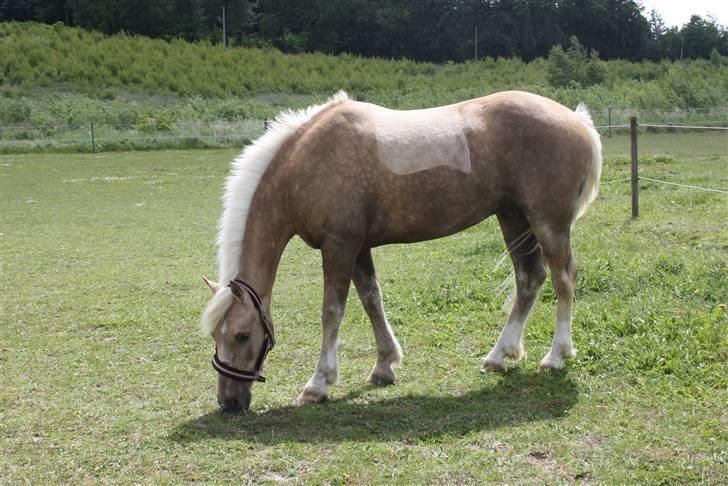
x=418 y=140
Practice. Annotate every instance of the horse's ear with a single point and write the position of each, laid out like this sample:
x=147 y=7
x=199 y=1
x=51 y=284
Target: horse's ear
x=236 y=290
x=214 y=286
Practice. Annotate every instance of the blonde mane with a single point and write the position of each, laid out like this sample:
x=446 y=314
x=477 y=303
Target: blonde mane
x=240 y=186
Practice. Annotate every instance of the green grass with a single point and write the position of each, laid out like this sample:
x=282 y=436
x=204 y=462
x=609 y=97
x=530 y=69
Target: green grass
x=105 y=377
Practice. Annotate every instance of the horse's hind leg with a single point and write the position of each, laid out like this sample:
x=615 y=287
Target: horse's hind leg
x=529 y=274
x=389 y=353
x=557 y=251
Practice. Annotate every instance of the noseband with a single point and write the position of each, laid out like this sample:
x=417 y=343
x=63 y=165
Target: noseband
x=268 y=343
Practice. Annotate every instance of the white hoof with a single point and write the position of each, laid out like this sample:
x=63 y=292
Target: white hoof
x=493 y=364
x=551 y=362
x=381 y=375
x=555 y=360
x=311 y=396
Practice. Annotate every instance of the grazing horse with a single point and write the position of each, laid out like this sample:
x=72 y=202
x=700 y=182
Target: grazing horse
x=348 y=176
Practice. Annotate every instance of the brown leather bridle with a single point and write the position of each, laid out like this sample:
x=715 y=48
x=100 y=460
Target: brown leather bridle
x=268 y=343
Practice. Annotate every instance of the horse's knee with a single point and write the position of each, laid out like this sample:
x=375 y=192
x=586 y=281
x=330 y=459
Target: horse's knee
x=332 y=313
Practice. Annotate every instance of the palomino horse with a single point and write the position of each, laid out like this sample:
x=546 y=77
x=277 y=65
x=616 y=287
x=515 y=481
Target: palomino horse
x=348 y=176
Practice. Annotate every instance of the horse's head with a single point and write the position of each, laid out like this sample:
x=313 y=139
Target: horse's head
x=243 y=336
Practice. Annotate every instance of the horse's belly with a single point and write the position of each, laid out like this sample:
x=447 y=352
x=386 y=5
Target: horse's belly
x=429 y=210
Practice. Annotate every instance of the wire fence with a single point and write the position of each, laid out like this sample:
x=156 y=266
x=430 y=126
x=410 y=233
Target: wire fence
x=634 y=152
x=617 y=120
x=150 y=133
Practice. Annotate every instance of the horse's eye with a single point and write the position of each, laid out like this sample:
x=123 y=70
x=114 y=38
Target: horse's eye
x=241 y=337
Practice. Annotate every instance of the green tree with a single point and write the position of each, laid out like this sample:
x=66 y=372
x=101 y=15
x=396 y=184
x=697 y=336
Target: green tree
x=700 y=36
x=16 y=10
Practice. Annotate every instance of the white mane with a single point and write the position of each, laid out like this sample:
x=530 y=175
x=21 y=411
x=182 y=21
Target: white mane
x=246 y=171
x=216 y=309
x=245 y=174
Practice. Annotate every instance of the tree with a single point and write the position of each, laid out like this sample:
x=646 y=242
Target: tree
x=615 y=28
x=700 y=36
x=16 y=10
x=425 y=30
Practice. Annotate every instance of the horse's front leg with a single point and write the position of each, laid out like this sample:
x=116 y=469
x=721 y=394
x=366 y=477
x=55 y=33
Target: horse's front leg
x=389 y=353
x=338 y=265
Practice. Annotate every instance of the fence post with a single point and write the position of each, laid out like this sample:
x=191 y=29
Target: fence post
x=635 y=176
x=609 y=121
x=93 y=138
x=265 y=124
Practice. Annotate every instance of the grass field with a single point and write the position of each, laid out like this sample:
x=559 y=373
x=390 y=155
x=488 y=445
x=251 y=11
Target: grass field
x=105 y=377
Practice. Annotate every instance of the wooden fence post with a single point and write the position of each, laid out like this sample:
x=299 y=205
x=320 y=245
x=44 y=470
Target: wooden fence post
x=93 y=139
x=609 y=121
x=635 y=175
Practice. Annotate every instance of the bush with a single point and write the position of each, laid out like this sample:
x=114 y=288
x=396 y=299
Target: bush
x=716 y=59
x=574 y=67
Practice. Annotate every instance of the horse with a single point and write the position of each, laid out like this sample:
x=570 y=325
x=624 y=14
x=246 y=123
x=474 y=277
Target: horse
x=349 y=176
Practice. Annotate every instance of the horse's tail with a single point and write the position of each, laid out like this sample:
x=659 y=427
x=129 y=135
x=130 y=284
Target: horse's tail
x=591 y=187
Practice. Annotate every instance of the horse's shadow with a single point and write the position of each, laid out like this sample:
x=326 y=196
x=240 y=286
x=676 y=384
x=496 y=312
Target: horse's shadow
x=518 y=397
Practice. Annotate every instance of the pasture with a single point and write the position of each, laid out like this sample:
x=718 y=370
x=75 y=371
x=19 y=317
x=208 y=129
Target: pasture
x=106 y=378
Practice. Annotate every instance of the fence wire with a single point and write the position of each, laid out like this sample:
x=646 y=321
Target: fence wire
x=660 y=181
x=648 y=125
x=706 y=189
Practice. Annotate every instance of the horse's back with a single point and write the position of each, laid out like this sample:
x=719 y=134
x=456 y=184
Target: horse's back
x=421 y=174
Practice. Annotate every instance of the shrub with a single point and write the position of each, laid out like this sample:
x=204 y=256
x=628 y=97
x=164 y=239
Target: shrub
x=574 y=67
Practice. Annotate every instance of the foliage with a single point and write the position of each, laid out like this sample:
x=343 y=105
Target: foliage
x=105 y=378
x=574 y=67
x=425 y=30
x=142 y=93
x=134 y=76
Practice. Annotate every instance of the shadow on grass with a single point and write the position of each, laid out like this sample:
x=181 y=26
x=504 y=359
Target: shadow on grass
x=517 y=398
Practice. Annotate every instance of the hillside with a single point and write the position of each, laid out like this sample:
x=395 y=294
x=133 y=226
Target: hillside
x=37 y=55
x=57 y=75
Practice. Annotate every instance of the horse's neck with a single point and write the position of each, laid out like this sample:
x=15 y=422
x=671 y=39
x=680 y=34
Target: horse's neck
x=263 y=244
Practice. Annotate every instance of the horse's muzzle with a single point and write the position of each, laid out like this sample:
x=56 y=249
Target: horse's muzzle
x=233 y=396
x=233 y=404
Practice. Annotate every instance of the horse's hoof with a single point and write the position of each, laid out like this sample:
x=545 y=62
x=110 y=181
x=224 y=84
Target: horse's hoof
x=311 y=396
x=551 y=363
x=378 y=379
x=493 y=366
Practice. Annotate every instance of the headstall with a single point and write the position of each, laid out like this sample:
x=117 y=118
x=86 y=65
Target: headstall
x=268 y=343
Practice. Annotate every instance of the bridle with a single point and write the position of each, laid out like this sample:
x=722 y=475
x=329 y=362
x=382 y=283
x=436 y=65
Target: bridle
x=268 y=343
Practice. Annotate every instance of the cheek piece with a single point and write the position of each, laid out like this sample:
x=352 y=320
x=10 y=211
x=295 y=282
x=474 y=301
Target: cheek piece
x=268 y=343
